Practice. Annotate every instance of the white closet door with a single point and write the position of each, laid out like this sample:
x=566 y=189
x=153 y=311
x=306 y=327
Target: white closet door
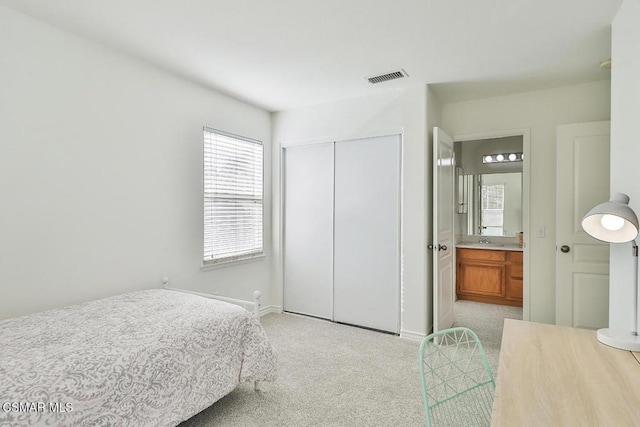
x=308 y=235
x=367 y=233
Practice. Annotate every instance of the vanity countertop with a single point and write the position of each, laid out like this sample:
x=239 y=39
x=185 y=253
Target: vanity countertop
x=490 y=246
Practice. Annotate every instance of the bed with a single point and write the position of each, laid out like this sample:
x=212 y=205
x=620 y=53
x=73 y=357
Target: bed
x=148 y=358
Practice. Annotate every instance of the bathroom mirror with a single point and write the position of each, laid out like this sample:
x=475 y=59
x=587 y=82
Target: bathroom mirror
x=490 y=204
x=489 y=186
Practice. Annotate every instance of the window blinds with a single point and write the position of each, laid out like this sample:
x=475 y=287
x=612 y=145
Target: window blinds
x=493 y=205
x=233 y=203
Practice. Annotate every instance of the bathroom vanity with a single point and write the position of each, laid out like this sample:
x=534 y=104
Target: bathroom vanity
x=489 y=273
x=489 y=220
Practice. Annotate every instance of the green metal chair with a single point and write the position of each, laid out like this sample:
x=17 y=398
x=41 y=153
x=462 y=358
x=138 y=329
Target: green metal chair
x=457 y=384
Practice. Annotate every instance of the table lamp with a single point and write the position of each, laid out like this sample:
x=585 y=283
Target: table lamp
x=615 y=222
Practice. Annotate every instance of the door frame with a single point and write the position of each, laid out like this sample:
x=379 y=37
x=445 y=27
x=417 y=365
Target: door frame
x=525 y=133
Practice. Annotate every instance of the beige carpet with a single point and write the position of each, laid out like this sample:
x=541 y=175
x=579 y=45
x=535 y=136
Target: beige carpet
x=486 y=321
x=337 y=375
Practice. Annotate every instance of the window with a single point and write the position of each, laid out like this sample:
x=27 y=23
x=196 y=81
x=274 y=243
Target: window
x=493 y=209
x=233 y=203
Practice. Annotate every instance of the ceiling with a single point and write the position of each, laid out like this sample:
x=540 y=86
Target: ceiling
x=284 y=54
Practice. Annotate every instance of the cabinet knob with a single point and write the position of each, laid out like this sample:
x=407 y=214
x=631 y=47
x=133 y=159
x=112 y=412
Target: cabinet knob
x=564 y=249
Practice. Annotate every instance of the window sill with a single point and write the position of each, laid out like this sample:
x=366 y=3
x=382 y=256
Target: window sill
x=232 y=263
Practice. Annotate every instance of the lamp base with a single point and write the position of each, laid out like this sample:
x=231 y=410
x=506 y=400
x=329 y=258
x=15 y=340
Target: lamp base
x=619 y=339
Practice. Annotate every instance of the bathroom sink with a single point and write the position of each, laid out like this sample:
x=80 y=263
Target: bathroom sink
x=485 y=245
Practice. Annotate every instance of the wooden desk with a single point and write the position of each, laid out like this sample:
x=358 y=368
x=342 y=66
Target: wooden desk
x=558 y=376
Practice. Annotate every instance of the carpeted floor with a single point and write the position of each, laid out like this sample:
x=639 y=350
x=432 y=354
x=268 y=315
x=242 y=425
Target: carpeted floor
x=337 y=375
x=486 y=321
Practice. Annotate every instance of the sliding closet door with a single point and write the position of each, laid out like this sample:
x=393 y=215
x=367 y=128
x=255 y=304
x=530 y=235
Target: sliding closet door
x=308 y=230
x=367 y=233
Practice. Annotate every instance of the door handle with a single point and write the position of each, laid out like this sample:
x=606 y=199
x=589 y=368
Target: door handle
x=564 y=249
x=437 y=247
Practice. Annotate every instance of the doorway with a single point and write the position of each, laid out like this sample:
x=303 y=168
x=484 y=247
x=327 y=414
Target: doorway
x=499 y=224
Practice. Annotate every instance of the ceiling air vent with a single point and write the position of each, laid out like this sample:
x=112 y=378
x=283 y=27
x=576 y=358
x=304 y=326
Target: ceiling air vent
x=388 y=76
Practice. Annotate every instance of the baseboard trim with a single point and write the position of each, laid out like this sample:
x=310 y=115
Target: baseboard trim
x=270 y=309
x=412 y=336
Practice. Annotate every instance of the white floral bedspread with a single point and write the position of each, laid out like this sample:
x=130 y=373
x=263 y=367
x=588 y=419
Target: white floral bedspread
x=149 y=358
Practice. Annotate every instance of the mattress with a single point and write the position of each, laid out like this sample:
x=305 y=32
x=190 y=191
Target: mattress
x=148 y=358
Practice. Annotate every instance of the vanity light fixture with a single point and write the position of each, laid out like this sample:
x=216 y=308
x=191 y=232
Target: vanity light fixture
x=502 y=158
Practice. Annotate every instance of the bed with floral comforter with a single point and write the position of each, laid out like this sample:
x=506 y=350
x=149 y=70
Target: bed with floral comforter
x=148 y=358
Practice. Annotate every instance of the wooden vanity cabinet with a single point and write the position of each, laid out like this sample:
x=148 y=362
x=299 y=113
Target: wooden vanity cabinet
x=514 y=276
x=493 y=276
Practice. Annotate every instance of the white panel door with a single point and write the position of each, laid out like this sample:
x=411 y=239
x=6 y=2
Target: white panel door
x=367 y=233
x=308 y=230
x=443 y=232
x=582 y=262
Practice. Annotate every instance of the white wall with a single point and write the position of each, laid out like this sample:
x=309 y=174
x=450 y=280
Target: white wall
x=392 y=112
x=625 y=150
x=101 y=173
x=540 y=111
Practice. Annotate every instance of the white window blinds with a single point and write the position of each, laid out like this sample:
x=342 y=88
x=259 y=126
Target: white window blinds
x=493 y=205
x=233 y=204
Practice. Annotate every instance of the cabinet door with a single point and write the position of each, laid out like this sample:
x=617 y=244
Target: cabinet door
x=482 y=278
x=367 y=233
x=515 y=276
x=308 y=237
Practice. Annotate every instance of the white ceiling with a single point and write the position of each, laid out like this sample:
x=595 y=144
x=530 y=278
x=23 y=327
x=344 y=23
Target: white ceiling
x=283 y=54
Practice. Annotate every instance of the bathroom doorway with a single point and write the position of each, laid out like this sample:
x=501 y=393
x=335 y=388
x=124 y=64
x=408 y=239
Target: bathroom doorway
x=492 y=193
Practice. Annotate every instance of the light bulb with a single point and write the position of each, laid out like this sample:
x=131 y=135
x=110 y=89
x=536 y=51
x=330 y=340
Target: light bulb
x=488 y=159
x=612 y=222
x=499 y=157
x=512 y=157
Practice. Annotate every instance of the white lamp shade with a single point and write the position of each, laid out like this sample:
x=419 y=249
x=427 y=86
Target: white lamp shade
x=613 y=221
